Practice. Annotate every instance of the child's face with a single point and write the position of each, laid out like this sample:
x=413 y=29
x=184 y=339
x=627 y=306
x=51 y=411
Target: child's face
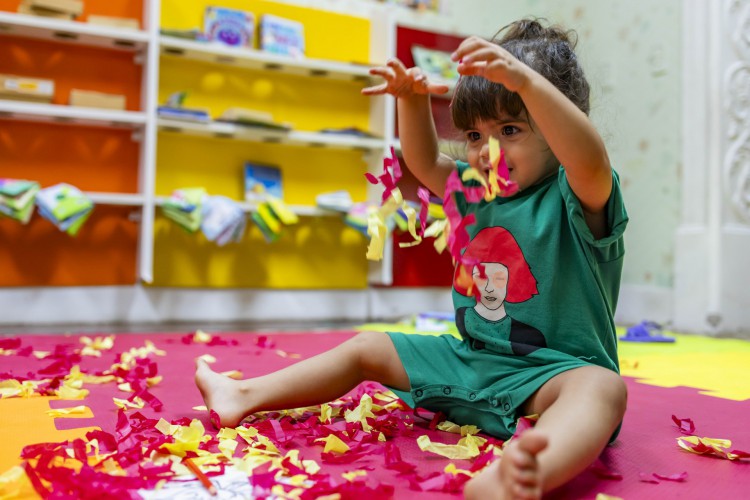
x=527 y=153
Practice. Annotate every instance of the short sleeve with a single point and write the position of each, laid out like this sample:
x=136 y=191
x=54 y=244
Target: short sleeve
x=617 y=217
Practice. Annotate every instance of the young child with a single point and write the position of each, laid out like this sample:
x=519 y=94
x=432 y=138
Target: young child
x=538 y=330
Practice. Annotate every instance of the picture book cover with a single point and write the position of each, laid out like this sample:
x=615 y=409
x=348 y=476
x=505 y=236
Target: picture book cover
x=279 y=35
x=262 y=181
x=436 y=64
x=232 y=27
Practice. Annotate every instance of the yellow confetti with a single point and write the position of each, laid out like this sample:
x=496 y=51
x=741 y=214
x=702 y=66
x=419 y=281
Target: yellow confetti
x=353 y=475
x=227 y=447
x=325 y=413
x=604 y=496
x=361 y=413
x=333 y=444
x=41 y=354
x=452 y=469
x=235 y=374
x=201 y=337
x=97 y=345
x=247 y=433
x=12 y=388
x=187 y=438
x=11 y=482
x=61 y=412
x=200 y=408
x=124 y=404
x=68 y=392
x=456 y=451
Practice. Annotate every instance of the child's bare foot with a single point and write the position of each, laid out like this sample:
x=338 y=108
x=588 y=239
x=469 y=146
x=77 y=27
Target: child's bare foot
x=516 y=475
x=227 y=397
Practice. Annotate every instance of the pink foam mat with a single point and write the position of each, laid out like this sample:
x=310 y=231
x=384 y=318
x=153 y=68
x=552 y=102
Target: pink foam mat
x=646 y=445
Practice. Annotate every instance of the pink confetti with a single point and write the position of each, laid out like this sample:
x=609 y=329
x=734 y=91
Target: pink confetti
x=686 y=425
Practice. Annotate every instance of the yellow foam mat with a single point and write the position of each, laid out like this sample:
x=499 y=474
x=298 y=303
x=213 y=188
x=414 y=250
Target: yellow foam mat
x=716 y=367
x=24 y=421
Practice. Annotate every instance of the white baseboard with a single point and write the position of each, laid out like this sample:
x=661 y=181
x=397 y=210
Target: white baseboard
x=137 y=304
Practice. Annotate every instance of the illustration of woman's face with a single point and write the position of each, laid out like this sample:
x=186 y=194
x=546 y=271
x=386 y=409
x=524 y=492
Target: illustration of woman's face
x=494 y=287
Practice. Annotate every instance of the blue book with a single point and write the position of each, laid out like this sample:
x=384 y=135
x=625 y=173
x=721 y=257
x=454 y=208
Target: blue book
x=262 y=181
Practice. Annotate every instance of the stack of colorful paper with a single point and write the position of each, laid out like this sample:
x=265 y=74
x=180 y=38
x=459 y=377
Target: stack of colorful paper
x=223 y=220
x=270 y=217
x=185 y=207
x=65 y=206
x=358 y=215
x=17 y=198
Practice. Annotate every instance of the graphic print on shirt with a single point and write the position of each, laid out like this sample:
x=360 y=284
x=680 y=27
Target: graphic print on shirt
x=501 y=274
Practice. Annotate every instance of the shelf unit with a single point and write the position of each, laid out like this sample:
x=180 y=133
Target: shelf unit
x=260 y=134
x=72 y=32
x=151 y=51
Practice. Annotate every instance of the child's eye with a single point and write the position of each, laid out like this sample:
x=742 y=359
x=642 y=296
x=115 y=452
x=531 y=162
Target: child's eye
x=509 y=130
x=473 y=136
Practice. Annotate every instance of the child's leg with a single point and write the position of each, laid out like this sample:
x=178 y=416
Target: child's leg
x=579 y=410
x=320 y=379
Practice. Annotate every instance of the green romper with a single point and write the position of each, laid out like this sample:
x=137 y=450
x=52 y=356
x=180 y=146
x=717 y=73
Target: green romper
x=559 y=294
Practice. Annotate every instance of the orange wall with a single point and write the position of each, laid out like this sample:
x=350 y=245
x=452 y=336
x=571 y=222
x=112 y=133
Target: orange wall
x=92 y=159
x=73 y=66
x=104 y=252
x=121 y=8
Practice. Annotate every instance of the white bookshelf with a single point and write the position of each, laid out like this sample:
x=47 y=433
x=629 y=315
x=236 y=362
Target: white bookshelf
x=70 y=114
x=260 y=134
x=121 y=199
x=256 y=59
x=72 y=32
x=248 y=207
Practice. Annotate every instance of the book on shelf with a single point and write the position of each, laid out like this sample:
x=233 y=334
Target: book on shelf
x=283 y=36
x=252 y=118
x=262 y=181
x=232 y=27
x=436 y=65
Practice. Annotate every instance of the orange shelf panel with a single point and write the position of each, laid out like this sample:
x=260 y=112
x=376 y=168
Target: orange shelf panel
x=92 y=159
x=118 y=8
x=73 y=67
x=38 y=254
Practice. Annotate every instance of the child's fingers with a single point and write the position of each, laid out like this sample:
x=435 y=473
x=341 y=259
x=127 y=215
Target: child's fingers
x=482 y=54
x=437 y=88
x=383 y=72
x=468 y=46
x=398 y=67
x=375 y=89
x=472 y=69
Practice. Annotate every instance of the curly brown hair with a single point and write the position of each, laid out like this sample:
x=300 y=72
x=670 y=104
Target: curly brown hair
x=548 y=50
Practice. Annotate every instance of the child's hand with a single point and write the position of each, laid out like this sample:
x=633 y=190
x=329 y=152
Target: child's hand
x=402 y=82
x=479 y=57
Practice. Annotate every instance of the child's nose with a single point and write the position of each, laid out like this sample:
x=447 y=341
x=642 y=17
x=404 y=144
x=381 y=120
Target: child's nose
x=484 y=153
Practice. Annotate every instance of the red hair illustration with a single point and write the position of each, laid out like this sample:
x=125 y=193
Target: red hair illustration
x=497 y=245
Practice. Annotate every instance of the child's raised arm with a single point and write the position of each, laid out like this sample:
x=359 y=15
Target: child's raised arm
x=568 y=131
x=419 y=142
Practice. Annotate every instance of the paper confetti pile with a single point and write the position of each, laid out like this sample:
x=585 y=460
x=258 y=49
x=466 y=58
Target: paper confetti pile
x=143 y=453
x=17 y=199
x=65 y=206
